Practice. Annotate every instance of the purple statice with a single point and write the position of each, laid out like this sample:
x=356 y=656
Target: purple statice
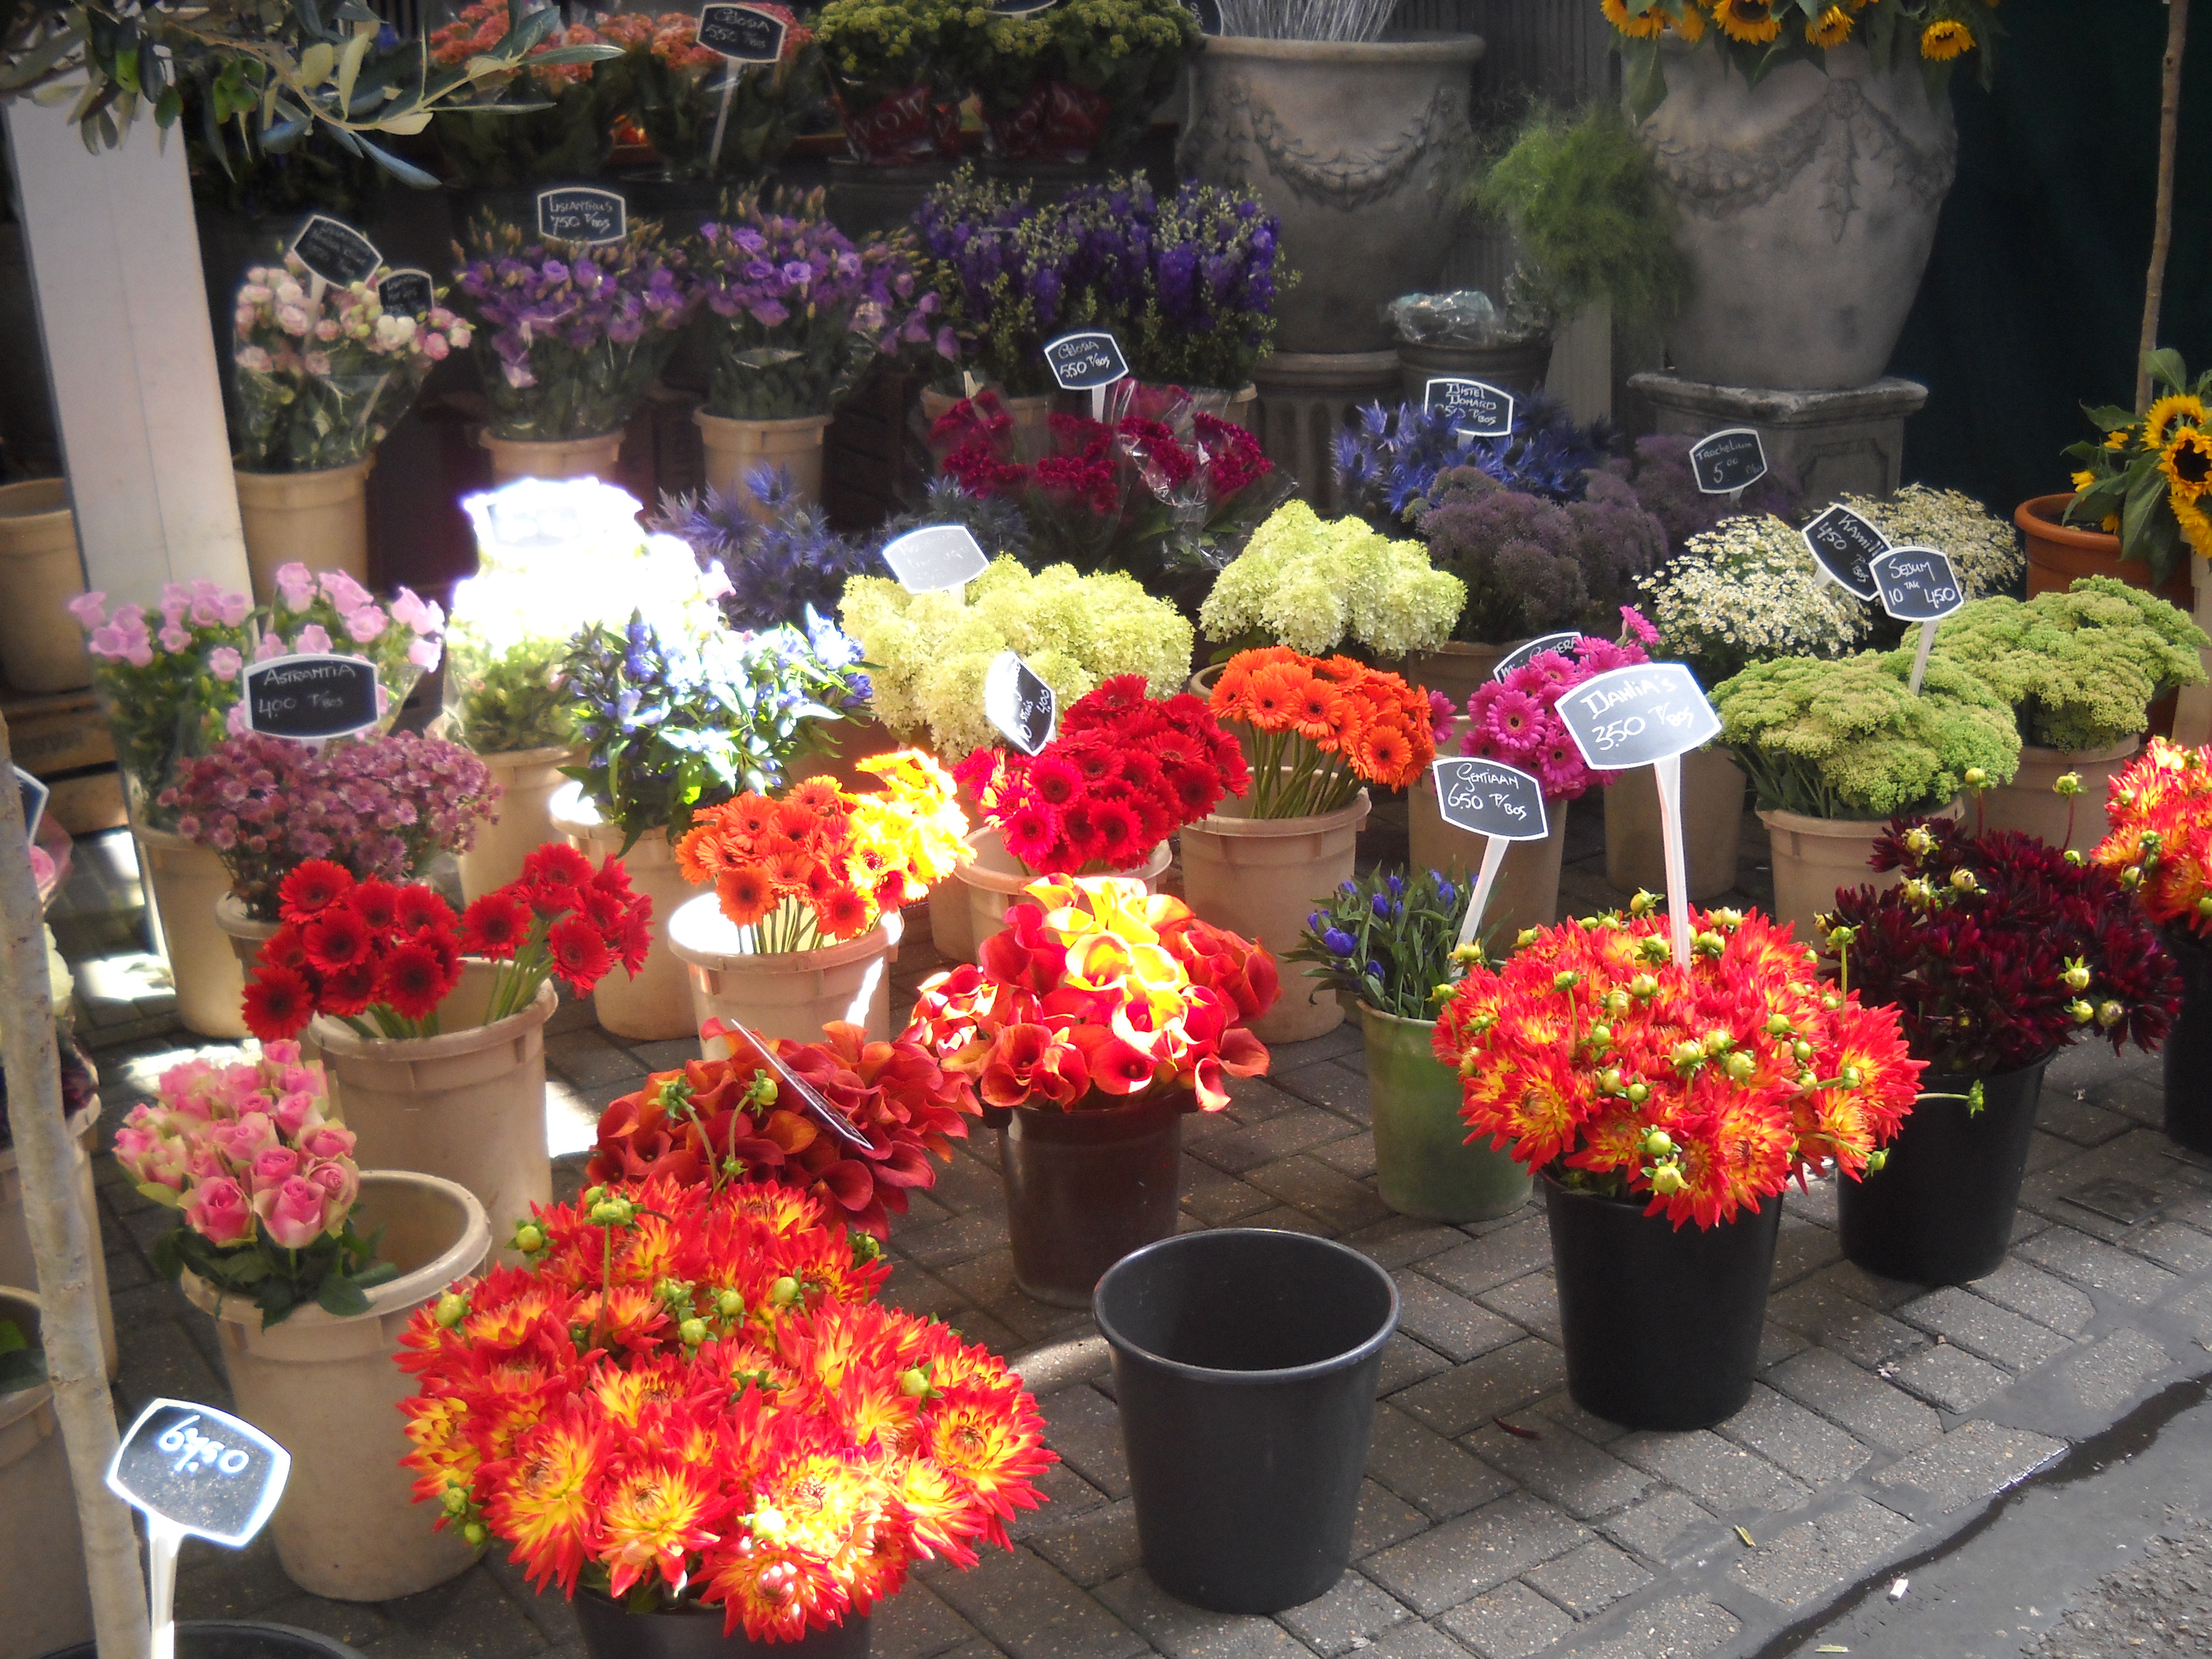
x=570 y=336
x=783 y=561
x=1660 y=474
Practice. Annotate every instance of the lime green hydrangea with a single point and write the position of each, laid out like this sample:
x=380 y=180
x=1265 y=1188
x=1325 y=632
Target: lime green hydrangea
x=1847 y=739
x=927 y=653
x=2080 y=668
x=1310 y=583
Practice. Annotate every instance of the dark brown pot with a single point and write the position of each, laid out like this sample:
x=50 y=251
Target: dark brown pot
x=611 y=1632
x=1085 y=1188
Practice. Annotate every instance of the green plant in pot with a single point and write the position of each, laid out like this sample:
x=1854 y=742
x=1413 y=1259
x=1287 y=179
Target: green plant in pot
x=1388 y=945
x=1077 y=82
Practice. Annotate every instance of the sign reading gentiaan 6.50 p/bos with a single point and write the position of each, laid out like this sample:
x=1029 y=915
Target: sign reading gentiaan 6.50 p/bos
x=582 y=213
x=202 y=1471
x=1490 y=797
x=1638 y=715
x=310 y=698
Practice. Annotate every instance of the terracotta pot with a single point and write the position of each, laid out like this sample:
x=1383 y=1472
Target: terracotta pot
x=1527 y=894
x=1085 y=1188
x=1713 y=826
x=656 y=1005
x=734 y=449
x=784 y=993
x=2059 y=554
x=17 y=1265
x=40 y=1539
x=325 y=1388
x=995 y=880
x=186 y=880
x=1519 y=367
x=2028 y=804
x=468 y=1106
x=1456 y=668
x=1813 y=857
x=613 y=1632
x=1424 y=1166
x=319 y=519
x=1261 y=878
x=41 y=648
x=526 y=780
x=554 y=457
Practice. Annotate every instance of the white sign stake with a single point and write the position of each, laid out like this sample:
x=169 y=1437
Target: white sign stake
x=1493 y=860
x=1668 y=772
x=1499 y=802
x=1918 y=585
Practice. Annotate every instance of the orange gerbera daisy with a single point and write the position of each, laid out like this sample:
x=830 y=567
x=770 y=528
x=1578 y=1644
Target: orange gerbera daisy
x=746 y=893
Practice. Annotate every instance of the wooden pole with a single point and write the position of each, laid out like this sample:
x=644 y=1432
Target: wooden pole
x=62 y=1239
x=2162 y=236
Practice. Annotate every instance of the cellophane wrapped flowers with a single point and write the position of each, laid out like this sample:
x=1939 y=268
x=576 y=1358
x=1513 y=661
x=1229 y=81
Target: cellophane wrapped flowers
x=1312 y=583
x=1997 y=949
x=1517 y=720
x=253 y=1159
x=692 y=1398
x=1321 y=728
x=676 y=87
x=1098 y=993
x=1590 y=1055
x=823 y=864
x=324 y=372
x=715 y=1122
x=382 y=807
x=570 y=336
x=2160 y=839
x=1123 y=773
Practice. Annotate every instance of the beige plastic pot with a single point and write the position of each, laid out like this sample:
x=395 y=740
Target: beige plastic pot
x=1528 y=890
x=656 y=1005
x=17 y=1264
x=1259 y=877
x=526 y=780
x=320 y=519
x=51 y=1606
x=2028 y=804
x=1713 y=826
x=468 y=1106
x=246 y=936
x=734 y=449
x=1455 y=668
x=1813 y=857
x=553 y=458
x=187 y=881
x=325 y=1388
x=784 y=993
x=994 y=880
x=40 y=572
x=1032 y=419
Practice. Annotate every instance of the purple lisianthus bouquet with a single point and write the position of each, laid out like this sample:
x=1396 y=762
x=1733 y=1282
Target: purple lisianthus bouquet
x=800 y=310
x=319 y=612
x=569 y=335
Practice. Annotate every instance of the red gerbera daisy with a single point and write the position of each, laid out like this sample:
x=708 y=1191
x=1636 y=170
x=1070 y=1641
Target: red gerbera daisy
x=495 y=926
x=1121 y=834
x=413 y=981
x=351 y=990
x=313 y=887
x=579 y=955
x=1053 y=781
x=377 y=903
x=279 y=1002
x=420 y=910
x=336 y=938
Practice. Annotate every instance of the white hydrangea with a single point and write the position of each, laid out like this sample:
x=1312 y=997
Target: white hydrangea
x=1310 y=583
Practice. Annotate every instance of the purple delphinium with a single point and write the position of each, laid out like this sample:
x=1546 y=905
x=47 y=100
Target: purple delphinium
x=1207 y=313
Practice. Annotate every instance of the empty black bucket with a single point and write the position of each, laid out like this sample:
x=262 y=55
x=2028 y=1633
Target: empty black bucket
x=695 y=1632
x=1245 y=1362
x=1939 y=1211
x=239 y=1638
x=1662 y=1324
x=2188 y=1047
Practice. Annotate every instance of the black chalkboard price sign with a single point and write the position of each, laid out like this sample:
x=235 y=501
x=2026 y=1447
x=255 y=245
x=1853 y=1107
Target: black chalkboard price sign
x=310 y=697
x=407 y=294
x=1846 y=546
x=936 y=557
x=1638 y=715
x=1208 y=13
x=1021 y=8
x=744 y=34
x=202 y=1471
x=582 y=213
x=1478 y=409
x=335 y=251
x=1490 y=797
x=1086 y=362
x=1726 y=462
x=33 y=793
x=1021 y=705
x=1536 y=647
x=1917 y=584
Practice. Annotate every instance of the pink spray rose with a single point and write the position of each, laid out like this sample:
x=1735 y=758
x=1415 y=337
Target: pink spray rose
x=326 y=1141
x=218 y=1212
x=244 y=1140
x=293 y=1213
x=298 y=1112
x=340 y=1183
x=273 y=1167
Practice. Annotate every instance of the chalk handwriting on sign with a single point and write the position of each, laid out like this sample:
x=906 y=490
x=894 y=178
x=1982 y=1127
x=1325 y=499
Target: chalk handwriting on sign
x=1536 y=647
x=33 y=792
x=1208 y=13
x=1728 y=461
x=1917 y=584
x=1846 y=546
x=744 y=34
x=407 y=294
x=201 y=1470
x=1019 y=704
x=1490 y=799
x=1478 y=409
x=937 y=557
x=582 y=213
x=1086 y=362
x=335 y=251
x=310 y=697
x=1638 y=715
x=1021 y=8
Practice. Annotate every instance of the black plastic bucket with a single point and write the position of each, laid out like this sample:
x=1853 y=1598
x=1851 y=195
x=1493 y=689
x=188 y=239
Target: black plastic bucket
x=1245 y=1362
x=1939 y=1211
x=1661 y=1325
x=610 y=1632
x=1085 y=1188
x=2189 y=1047
x=238 y=1638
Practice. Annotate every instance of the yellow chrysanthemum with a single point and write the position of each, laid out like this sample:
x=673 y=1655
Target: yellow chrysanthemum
x=1831 y=28
x=1653 y=22
x=1945 y=39
x=1690 y=25
x=2187 y=464
x=1750 y=21
x=2176 y=409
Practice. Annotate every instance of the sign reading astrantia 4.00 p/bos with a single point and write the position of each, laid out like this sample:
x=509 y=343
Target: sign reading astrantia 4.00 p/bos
x=311 y=698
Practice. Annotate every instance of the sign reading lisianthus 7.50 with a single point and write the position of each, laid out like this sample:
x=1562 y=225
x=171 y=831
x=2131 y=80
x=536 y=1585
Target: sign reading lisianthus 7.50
x=310 y=697
x=582 y=213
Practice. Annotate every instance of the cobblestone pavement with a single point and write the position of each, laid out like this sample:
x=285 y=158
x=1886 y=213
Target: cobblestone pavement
x=1884 y=1419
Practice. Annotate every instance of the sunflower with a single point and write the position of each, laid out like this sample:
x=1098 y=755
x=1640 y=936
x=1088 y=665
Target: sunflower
x=2187 y=464
x=2196 y=527
x=1831 y=28
x=1690 y=25
x=2158 y=422
x=1652 y=22
x=1945 y=39
x=1750 y=21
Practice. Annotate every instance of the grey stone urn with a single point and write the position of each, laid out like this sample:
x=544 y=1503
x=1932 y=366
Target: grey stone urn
x=1360 y=151
x=1808 y=209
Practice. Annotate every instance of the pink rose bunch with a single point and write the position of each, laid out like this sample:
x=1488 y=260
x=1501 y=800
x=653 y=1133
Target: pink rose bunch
x=1516 y=719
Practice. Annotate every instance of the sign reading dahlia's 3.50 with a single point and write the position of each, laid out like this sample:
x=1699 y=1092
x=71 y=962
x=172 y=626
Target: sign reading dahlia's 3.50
x=310 y=698
x=1638 y=715
x=582 y=213
x=1019 y=703
x=202 y=1471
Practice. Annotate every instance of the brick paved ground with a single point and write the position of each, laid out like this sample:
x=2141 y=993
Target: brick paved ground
x=1884 y=1418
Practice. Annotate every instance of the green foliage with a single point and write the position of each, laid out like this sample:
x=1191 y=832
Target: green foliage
x=1387 y=940
x=513 y=699
x=334 y=1272
x=21 y=1365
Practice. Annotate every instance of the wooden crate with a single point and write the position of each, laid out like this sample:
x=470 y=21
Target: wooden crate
x=61 y=732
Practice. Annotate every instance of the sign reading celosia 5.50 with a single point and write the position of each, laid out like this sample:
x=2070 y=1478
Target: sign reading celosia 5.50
x=310 y=698
x=1089 y=362
x=744 y=34
x=202 y=1471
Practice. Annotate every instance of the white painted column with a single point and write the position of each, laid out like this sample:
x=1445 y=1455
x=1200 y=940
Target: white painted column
x=115 y=266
